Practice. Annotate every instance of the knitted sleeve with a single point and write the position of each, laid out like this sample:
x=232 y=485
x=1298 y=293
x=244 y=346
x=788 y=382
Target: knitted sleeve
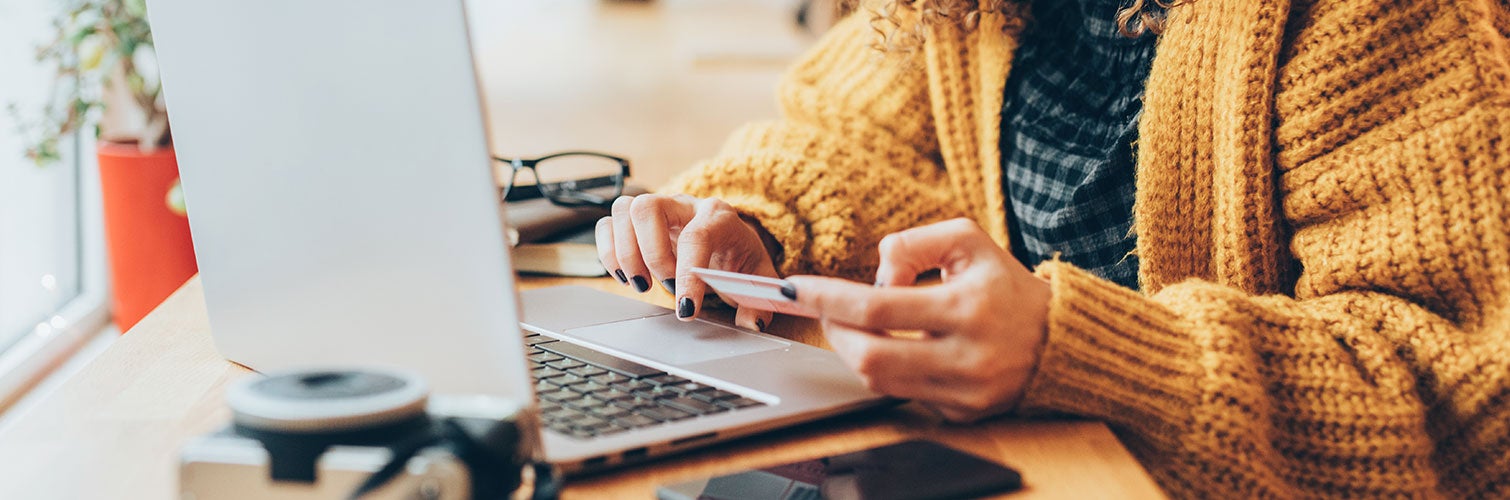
x=853 y=158
x=1388 y=371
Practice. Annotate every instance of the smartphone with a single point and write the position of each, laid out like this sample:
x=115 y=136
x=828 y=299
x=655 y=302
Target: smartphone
x=753 y=291
x=908 y=470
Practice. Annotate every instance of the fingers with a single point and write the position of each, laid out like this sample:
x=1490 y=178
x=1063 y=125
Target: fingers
x=923 y=370
x=656 y=237
x=893 y=308
x=654 y=218
x=694 y=248
x=753 y=319
x=958 y=414
x=627 y=246
x=947 y=245
x=909 y=369
x=603 y=234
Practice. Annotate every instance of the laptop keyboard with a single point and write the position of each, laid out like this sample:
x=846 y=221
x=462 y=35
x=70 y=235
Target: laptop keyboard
x=585 y=393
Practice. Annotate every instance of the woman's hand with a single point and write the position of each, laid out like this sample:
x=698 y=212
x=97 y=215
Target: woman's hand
x=662 y=237
x=984 y=326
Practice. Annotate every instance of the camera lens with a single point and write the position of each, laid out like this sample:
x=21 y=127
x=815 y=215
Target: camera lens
x=327 y=400
x=321 y=379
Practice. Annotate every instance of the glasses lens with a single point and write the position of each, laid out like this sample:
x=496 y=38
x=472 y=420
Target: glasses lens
x=579 y=173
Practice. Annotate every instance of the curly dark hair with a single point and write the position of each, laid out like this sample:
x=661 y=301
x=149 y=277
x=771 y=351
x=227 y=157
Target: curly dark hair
x=1139 y=18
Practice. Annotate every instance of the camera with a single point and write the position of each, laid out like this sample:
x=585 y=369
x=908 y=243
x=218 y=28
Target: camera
x=356 y=433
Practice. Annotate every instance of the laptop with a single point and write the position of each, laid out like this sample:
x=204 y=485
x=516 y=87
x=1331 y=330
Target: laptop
x=334 y=159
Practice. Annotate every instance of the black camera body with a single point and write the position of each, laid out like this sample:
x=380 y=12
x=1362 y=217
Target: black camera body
x=359 y=433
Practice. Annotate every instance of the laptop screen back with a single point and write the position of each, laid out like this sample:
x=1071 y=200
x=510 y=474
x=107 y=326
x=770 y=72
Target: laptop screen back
x=335 y=167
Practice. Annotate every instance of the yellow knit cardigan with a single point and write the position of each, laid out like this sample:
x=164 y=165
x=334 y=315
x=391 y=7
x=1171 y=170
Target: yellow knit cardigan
x=1323 y=224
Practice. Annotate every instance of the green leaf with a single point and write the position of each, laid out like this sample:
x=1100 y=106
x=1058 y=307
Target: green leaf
x=136 y=8
x=83 y=33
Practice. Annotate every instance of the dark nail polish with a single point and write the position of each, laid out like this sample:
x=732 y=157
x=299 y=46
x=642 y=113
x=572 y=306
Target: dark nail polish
x=789 y=291
x=619 y=273
x=641 y=284
x=759 y=324
x=669 y=285
x=684 y=308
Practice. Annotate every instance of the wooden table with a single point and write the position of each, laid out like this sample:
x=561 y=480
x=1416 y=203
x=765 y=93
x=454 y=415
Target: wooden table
x=112 y=431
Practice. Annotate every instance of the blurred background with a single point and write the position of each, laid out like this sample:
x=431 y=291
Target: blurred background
x=92 y=226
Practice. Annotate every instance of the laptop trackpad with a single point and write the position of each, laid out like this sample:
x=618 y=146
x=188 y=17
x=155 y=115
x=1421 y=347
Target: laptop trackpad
x=671 y=341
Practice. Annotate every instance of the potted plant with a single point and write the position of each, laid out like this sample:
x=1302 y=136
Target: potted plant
x=106 y=74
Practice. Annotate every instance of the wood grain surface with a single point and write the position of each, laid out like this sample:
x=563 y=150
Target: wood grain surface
x=112 y=431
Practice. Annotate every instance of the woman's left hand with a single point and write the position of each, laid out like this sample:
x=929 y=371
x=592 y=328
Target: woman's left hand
x=983 y=327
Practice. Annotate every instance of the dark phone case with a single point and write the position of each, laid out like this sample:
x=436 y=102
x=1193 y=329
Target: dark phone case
x=923 y=469
x=908 y=470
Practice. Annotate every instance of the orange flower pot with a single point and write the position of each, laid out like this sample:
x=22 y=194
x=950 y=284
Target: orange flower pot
x=147 y=242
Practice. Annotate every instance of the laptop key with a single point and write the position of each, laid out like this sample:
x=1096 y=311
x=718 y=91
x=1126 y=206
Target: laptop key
x=634 y=403
x=606 y=378
x=713 y=396
x=666 y=391
x=537 y=339
x=612 y=395
x=621 y=366
x=565 y=364
x=610 y=429
x=608 y=412
x=632 y=421
x=546 y=372
x=544 y=357
x=633 y=385
x=587 y=371
x=692 y=405
x=589 y=387
x=653 y=393
x=582 y=404
x=666 y=379
x=689 y=387
x=589 y=422
x=567 y=379
x=663 y=413
x=740 y=402
x=560 y=395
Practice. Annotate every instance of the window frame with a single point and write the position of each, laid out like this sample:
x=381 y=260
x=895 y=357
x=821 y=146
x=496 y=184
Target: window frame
x=27 y=360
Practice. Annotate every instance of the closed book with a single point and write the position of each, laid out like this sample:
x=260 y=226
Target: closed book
x=554 y=240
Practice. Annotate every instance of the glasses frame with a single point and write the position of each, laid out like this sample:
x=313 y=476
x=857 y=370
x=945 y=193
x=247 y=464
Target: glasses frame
x=566 y=196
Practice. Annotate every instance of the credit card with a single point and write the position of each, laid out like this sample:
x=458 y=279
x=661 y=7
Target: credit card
x=749 y=290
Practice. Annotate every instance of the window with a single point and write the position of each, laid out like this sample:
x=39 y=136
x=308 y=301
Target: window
x=52 y=282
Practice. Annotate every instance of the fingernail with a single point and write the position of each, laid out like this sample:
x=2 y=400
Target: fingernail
x=669 y=285
x=619 y=273
x=684 y=308
x=789 y=291
x=641 y=284
x=759 y=324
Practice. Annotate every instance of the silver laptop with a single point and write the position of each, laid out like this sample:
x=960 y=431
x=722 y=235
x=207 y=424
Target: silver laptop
x=335 y=165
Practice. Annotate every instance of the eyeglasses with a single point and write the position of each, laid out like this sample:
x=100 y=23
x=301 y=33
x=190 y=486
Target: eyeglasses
x=570 y=179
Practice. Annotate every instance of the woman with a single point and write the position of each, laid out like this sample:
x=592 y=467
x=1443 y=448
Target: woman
x=1319 y=229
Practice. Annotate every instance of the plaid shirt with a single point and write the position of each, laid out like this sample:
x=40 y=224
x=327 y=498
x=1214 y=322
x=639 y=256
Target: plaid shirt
x=1070 y=119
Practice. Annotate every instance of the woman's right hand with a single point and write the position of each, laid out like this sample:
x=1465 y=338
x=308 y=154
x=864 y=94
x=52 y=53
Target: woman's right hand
x=657 y=237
